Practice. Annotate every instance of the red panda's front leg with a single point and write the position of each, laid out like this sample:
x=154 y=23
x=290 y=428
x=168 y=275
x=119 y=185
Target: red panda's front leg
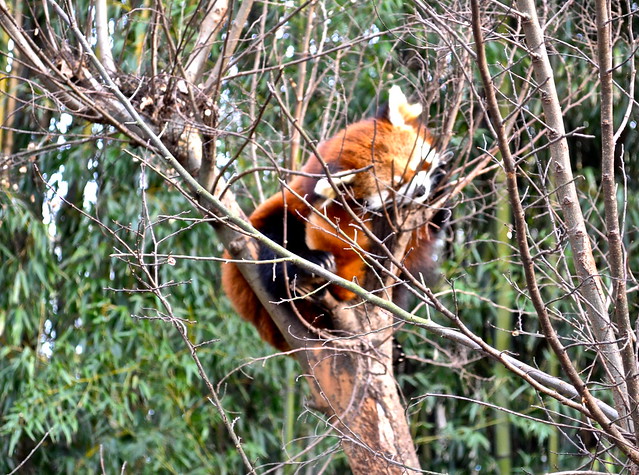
x=286 y=282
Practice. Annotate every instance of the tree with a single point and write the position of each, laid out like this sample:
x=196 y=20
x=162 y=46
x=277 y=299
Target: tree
x=221 y=102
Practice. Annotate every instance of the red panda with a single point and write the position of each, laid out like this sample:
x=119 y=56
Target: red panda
x=384 y=160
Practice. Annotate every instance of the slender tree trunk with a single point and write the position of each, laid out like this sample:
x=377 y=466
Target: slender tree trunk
x=617 y=261
x=560 y=168
x=504 y=321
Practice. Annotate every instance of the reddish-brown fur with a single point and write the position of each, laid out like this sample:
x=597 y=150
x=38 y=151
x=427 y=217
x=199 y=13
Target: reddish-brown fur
x=390 y=150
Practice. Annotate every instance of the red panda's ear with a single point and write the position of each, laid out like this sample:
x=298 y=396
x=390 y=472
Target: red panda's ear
x=399 y=110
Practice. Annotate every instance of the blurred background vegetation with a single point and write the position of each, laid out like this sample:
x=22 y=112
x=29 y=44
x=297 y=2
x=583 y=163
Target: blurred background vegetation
x=95 y=384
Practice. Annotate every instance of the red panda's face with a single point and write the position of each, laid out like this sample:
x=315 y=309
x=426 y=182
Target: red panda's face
x=391 y=156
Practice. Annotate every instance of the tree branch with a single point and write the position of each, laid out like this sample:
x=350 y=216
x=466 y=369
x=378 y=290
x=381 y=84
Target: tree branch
x=301 y=95
x=102 y=32
x=560 y=168
x=522 y=240
x=617 y=259
x=215 y=12
x=230 y=44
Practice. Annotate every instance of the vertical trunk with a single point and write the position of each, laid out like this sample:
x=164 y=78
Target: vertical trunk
x=10 y=91
x=355 y=381
x=590 y=286
x=503 y=450
x=357 y=390
x=616 y=257
x=351 y=378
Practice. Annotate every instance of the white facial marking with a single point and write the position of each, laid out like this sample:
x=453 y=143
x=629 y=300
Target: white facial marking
x=324 y=189
x=419 y=188
x=420 y=151
x=416 y=190
x=432 y=158
x=377 y=200
x=423 y=154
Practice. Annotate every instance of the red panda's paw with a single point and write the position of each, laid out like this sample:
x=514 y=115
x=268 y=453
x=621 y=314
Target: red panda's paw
x=302 y=280
x=324 y=259
x=309 y=285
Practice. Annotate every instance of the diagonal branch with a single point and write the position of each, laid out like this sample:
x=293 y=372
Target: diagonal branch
x=215 y=14
x=230 y=44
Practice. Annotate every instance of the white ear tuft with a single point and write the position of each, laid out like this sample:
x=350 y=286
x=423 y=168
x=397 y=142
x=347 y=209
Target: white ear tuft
x=413 y=110
x=396 y=99
x=399 y=110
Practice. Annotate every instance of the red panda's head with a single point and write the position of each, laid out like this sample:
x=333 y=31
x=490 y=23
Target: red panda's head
x=391 y=155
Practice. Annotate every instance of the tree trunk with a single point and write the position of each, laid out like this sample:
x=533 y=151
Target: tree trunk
x=357 y=390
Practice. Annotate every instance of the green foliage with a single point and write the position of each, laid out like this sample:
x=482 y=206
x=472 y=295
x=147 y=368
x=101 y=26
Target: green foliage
x=78 y=367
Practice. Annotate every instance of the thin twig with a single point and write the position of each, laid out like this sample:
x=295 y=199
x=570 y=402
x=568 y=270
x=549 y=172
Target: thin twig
x=33 y=451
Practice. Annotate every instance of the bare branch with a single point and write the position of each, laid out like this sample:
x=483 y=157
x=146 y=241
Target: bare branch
x=560 y=168
x=215 y=13
x=623 y=331
x=230 y=44
x=102 y=32
x=302 y=95
x=33 y=451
